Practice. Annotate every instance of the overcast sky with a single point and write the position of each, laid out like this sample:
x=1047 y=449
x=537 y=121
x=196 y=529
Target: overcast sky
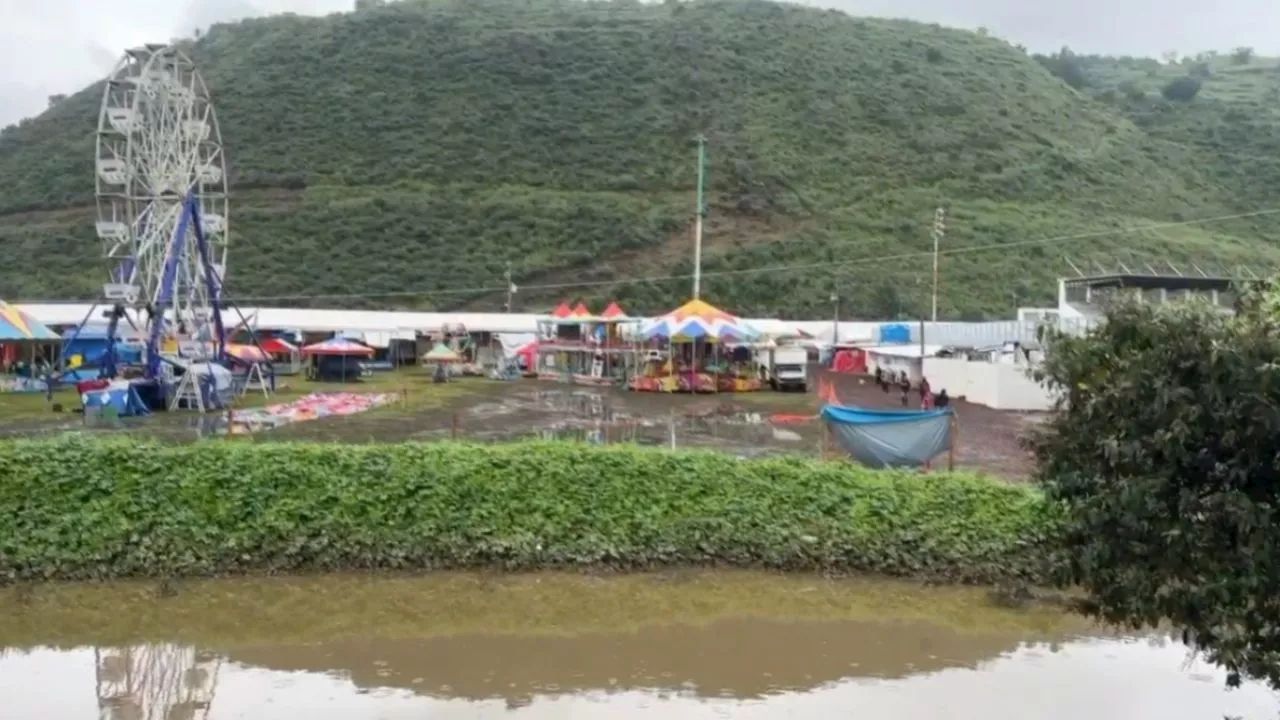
x=59 y=46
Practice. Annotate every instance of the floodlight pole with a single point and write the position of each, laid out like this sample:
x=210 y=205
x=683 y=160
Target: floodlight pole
x=939 y=229
x=698 y=215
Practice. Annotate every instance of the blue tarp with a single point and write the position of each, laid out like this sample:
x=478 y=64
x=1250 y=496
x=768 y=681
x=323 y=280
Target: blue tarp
x=890 y=438
x=118 y=400
x=895 y=333
x=90 y=344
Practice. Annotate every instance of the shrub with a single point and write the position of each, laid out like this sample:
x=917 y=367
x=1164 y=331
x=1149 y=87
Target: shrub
x=1183 y=89
x=73 y=509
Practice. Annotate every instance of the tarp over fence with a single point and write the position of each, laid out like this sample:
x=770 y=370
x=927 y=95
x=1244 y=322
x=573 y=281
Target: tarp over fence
x=890 y=438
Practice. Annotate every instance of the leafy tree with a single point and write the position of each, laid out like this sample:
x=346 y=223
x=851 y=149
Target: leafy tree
x=1183 y=89
x=1066 y=66
x=1163 y=455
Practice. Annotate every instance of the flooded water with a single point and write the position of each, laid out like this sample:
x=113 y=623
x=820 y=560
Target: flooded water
x=530 y=409
x=686 y=645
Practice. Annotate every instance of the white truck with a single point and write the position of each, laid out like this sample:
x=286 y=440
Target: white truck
x=789 y=369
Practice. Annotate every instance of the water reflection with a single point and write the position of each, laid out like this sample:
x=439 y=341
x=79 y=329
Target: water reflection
x=142 y=682
x=542 y=646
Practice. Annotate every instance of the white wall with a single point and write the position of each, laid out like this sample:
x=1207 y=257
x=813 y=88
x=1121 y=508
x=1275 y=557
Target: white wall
x=894 y=364
x=997 y=385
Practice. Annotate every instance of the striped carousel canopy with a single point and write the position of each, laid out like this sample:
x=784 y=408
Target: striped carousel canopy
x=699 y=320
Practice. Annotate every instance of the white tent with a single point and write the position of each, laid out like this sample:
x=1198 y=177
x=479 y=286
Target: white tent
x=202 y=386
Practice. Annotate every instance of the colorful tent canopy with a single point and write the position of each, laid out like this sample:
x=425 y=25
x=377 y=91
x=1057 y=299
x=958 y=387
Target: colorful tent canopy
x=278 y=346
x=247 y=353
x=580 y=311
x=698 y=320
x=16 y=325
x=613 y=312
x=338 y=347
x=441 y=353
x=562 y=311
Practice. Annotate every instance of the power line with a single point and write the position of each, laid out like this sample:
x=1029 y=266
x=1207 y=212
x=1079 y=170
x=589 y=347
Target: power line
x=872 y=259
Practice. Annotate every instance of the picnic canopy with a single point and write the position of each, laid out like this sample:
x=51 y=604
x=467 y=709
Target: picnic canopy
x=562 y=311
x=699 y=320
x=17 y=326
x=338 y=347
x=581 y=312
x=441 y=353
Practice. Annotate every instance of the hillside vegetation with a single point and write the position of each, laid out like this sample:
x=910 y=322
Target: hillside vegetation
x=403 y=156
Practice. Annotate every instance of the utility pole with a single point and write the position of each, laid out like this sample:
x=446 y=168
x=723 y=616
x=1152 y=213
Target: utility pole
x=511 y=287
x=939 y=230
x=835 y=326
x=697 y=220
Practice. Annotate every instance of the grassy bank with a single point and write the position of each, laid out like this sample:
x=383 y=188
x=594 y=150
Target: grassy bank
x=97 y=509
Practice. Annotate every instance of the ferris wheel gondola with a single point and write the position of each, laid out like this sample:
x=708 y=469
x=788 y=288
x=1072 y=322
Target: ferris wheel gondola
x=162 y=200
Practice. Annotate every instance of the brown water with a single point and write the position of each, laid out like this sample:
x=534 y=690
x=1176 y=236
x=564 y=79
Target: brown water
x=681 y=645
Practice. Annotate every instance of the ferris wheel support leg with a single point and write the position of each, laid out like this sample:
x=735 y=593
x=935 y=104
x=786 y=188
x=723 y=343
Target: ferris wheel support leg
x=212 y=282
x=177 y=247
x=108 y=367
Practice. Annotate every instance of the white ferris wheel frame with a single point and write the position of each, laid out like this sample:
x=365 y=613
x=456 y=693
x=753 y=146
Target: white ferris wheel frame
x=159 y=143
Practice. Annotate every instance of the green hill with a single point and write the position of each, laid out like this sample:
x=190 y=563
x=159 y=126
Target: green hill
x=402 y=156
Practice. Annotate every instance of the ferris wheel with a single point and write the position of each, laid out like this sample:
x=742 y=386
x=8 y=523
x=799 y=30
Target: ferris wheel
x=161 y=190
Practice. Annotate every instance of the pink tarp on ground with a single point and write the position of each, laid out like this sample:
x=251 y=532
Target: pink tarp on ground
x=311 y=407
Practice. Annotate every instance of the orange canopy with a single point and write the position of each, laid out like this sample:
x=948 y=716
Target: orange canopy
x=613 y=312
x=701 y=310
x=580 y=311
x=562 y=311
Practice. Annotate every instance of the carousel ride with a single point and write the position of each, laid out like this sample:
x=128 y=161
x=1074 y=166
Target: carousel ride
x=162 y=217
x=705 y=350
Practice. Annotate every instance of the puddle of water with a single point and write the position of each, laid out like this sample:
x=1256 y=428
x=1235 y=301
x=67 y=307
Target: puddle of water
x=688 y=645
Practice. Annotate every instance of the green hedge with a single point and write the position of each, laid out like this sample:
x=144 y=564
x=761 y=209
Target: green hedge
x=91 y=508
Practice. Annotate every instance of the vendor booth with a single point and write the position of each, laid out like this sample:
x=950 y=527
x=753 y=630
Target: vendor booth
x=336 y=359
x=286 y=358
x=442 y=359
x=575 y=346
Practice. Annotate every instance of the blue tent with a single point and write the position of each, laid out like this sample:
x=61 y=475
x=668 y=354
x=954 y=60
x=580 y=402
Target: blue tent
x=120 y=400
x=890 y=438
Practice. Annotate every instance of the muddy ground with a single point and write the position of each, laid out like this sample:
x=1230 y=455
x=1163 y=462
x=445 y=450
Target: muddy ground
x=747 y=425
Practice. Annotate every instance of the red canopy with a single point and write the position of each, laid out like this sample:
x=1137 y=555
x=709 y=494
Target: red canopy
x=581 y=311
x=562 y=311
x=613 y=312
x=278 y=346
